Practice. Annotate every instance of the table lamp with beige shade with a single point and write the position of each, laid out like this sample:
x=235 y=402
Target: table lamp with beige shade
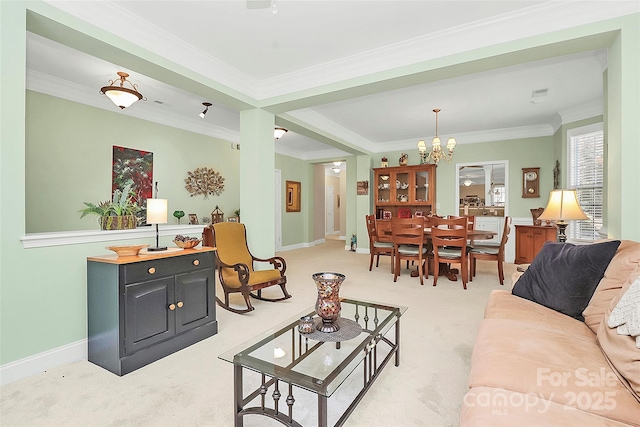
x=563 y=206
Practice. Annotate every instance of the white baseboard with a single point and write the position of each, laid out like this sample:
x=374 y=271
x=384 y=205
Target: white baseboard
x=39 y=363
x=302 y=245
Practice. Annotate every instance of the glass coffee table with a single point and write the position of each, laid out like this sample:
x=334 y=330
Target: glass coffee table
x=287 y=361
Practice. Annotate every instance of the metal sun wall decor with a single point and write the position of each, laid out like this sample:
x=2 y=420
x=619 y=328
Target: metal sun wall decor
x=204 y=181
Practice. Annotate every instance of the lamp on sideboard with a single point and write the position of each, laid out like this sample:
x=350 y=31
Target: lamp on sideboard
x=563 y=206
x=157 y=214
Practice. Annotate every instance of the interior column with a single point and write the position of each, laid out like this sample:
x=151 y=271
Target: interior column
x=257 y=187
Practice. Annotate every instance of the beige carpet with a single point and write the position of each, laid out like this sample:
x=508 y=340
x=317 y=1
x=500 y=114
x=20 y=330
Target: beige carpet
x=194 y=388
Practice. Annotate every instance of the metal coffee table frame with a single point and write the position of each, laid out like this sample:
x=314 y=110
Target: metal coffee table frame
x=376 y=320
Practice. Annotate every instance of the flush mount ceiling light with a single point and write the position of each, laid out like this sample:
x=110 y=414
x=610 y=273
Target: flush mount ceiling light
x=204 y=113
x=336 y=169
x=278 y=132
x=121 y=96
x=467 y=182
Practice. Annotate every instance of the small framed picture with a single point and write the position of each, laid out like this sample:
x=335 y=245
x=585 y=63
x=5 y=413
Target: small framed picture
x=232 y=219
x=386 y=215
x=193 y=219
x=404 y=213
x=418 y=213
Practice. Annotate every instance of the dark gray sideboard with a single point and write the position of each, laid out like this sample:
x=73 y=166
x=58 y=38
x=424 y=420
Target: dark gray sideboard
x=142 y=308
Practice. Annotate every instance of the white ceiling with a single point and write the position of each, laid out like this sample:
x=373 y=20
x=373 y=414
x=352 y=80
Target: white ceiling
x=262 y=56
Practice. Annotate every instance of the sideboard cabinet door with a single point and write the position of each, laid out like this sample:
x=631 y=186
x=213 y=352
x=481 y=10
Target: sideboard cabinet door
x=147 y=318
x=195 y=299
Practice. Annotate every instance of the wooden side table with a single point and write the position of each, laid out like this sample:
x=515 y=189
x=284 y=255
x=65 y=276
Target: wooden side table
x=529 y=241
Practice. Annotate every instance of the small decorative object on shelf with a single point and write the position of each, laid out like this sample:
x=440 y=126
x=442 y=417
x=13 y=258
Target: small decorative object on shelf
x=384 y=163
x=306 y=325
x=206 y=220
x=217 y=216
x=186 y=242
x=126 y=250
x=354 y=242
x=193 y=219
x=178 y=215
x=116 y=214
x=402 y=161
x=535 y=213
x=328 y=302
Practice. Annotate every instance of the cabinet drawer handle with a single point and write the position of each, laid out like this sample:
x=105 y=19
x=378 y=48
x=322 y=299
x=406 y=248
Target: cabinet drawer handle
x=180 y=304
x=172 y=307
x=196 y=262
x=152 y=270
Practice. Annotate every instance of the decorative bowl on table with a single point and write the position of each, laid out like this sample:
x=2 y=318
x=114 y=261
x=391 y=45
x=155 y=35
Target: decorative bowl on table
x=127 y=250
x=186 y=242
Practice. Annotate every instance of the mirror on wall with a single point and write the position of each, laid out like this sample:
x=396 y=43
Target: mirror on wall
x=482 y=188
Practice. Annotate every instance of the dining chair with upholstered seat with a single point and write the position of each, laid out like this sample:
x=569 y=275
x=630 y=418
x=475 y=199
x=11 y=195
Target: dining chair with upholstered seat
x=407 y=235
x=491 y=253
x=449 y=239
x=377 y=247
x=235 y=265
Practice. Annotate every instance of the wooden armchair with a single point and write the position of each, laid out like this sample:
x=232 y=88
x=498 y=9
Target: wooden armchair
x=235 y=266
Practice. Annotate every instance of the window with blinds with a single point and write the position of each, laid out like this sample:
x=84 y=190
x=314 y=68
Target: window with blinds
x=585 y=175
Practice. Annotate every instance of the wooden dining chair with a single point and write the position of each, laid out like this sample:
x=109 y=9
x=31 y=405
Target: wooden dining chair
x=491 y=253
x=449 y=239
x=377 y=246
x=407 y=235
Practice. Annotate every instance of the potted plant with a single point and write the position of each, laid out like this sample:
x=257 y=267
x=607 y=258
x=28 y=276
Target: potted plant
x=116 y=214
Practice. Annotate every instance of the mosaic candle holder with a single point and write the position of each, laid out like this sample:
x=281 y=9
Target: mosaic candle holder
x=328 y=302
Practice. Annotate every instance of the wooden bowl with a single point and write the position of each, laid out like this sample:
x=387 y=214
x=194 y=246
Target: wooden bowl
x=127 y=250
x=187 y=245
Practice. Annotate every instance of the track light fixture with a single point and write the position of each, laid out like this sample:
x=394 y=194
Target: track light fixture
x=204 y=113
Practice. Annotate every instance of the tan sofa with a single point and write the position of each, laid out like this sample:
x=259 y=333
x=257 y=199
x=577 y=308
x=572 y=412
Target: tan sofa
x=533 y=366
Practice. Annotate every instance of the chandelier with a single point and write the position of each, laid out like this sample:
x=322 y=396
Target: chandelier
x=121 y=96
x=436 y=154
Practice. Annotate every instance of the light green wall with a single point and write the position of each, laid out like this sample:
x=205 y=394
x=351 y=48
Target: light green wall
x=521 y=153
x=295 y=225
x=43 y=291
x=68 y=161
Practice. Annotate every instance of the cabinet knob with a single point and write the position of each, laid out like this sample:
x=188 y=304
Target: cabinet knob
x=196 y=262
x=180 y=304
x=172 y=307
x=152 y=270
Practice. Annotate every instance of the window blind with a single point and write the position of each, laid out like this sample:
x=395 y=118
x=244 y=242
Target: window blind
x=586 y=174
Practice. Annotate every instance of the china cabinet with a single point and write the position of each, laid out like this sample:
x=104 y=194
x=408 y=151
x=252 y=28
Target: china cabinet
x=404 y=190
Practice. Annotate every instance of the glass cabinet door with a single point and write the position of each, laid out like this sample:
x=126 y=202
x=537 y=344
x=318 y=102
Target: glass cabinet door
x=384 y=188
x=422 y=187
x=402 y=187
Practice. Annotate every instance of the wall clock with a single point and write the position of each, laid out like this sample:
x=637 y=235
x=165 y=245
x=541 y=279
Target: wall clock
x=530 y=182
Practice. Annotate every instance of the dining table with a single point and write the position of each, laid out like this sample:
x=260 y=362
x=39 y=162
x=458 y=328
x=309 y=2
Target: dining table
x=445 y=269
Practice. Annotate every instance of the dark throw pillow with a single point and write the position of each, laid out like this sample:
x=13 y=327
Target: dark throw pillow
x=564 y=276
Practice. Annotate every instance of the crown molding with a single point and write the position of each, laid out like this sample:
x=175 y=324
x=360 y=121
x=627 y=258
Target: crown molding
x=527 y=22
x=314 y=119
x=539 y=19
x=48 y=85
x=581 y=112
x=111 y=17
x=310 y=155
x=473 y=137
